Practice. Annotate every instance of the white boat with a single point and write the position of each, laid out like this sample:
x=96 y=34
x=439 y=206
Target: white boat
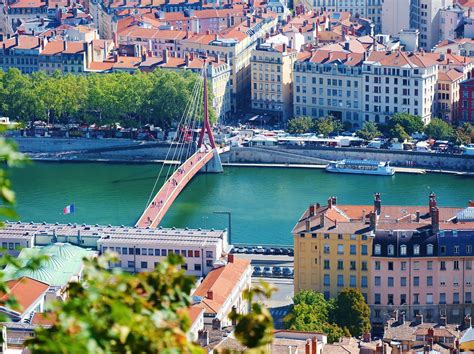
x=363 y=167
x=468 y=149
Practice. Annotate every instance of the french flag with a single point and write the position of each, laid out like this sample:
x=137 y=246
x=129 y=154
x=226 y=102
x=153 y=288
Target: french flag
x=69 y=209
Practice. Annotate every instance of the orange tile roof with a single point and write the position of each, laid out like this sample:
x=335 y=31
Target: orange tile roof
x=100 y=66
x=44 y=319
x=127 y=62
x=24 y=42
x=57 y=47
x=450 y=75
x=194 y=312
x=27 y=4
x=221 y=281
x=26 y=291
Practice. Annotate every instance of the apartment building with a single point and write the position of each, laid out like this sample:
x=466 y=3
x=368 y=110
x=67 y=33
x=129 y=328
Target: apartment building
x=423 y=266
x=332 y=248
x=236 y=44
x=466 y=105
x=330 y=83
x=272 y=71
x=395 y=16
x=447 y=95
x=460 y=46
x=451 y=20
x=14 y=13
x=425 y=16
x=398 y=82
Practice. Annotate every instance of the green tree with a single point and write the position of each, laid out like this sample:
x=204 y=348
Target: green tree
x=327 y=125
x=300 y=125
x=399 y=133
x=410 y=123
x=352 y=312
x=369 y=131
x=463 y=134
x=311 y=312
x=438 y=129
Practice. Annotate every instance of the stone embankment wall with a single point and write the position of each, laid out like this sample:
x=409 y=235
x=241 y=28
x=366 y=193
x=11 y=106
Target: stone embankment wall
x=136 y=151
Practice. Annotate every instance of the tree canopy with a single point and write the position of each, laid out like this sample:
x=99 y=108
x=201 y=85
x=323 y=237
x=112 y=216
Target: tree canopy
x=300 y=125
x=410 y=123
x=463 y=134
x=369 y=131
x=311 y=312
x=159 y=97
x=438 y=129
x=324 y=125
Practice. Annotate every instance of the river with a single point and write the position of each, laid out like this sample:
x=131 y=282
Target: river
x=265 y=202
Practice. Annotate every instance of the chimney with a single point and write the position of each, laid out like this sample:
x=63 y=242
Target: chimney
x=363 y=215
x=449 y=51
x=284 y=47
x=307 y=347
x=431 y=332
x=230 y=258
x=248 y=22
x=165 y=56
x=312 y=209
x=467 y=322
x=419 y=319
x=17 y=40
x=417 y=216
x=443 y=321
x=367 y=338
x=203 y=338
x=401 y=318
x=334 y=200
x=435 y=220
x=321 y=220
x=308 y=225
x=432 y=201
x=373 y=220
x=186 y=59
x=314 y=345
x=330 y=202
x=377 y=203
x=210 y=294
x=470 y=203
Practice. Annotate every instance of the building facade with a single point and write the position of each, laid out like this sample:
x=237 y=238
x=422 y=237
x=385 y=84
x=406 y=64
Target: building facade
x=466 y=106
x=272 y=70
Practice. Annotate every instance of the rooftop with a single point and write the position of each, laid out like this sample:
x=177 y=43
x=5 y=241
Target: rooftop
x=26 y=291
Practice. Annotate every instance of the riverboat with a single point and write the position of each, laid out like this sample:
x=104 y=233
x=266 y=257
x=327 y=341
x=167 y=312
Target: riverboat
x=364 y=167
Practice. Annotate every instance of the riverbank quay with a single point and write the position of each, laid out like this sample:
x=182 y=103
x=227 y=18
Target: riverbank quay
x=285 y=156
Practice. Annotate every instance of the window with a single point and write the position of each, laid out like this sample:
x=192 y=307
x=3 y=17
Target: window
x=364 y=265
x=352 y=281
x=468 y=248
x=340 y=280
x=340 y=249
x=429 y=281
x=363 y=281
x=144 y=265
x=390 y=282
x=353 y=249
x=353 y=265
x=442 y=248
x=416 y=281
x=456 y=249
x=209 y=254
x=363 y=250
x=403 y=266
x=197 y=267
x=468 y=297
x=340 y=265
x=429 y=265
x=442 y=265
x=190 y=253
x=157 y=251
x=429 y=249
x=455 y=298
x=416 y=250
x=124 y=250
x=130 y=251
x=209 y=263
x=377 y=299
x=326 y=264
x=416 y=299
x=403 y=250
x=377 y=265
x=416 y=265
x=390 y=299
x=131 y=264
x=468 y=264
x=442 y=298
x=390 y=265
x=327 y=281
x=377 y=281
x=144 y=251
x=403 y=299
x=326 y=248
x=403 y=281
x=163 y=252
x=456 y=265
x=377 y=249
x=429 y=298
x=390 y=250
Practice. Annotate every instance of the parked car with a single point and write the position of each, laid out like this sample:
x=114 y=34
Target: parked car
x=291 y=253
x=251 y=250
x=277 y=251
x=259 y=250
x=276 y=271
x=243 y=250
x=267 y=251
x=257 y=271
x=267 y=271
x=287 y=272
x=285 y=251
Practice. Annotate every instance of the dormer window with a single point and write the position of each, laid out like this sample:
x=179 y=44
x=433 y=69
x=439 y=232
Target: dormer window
x=390 y=250
x=429 y=249
x=377 y=249
x=416 y=250
x=403 y=250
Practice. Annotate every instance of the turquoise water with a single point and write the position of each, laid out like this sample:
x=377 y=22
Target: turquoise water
x=265 y=202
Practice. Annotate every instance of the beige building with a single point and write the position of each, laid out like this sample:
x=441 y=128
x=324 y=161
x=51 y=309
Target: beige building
x=395 y=16
x=272 y=70
x=236 y=45
x=447 y=95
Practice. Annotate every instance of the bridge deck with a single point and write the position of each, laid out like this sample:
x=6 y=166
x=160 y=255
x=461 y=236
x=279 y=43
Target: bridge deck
x=165 y=197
